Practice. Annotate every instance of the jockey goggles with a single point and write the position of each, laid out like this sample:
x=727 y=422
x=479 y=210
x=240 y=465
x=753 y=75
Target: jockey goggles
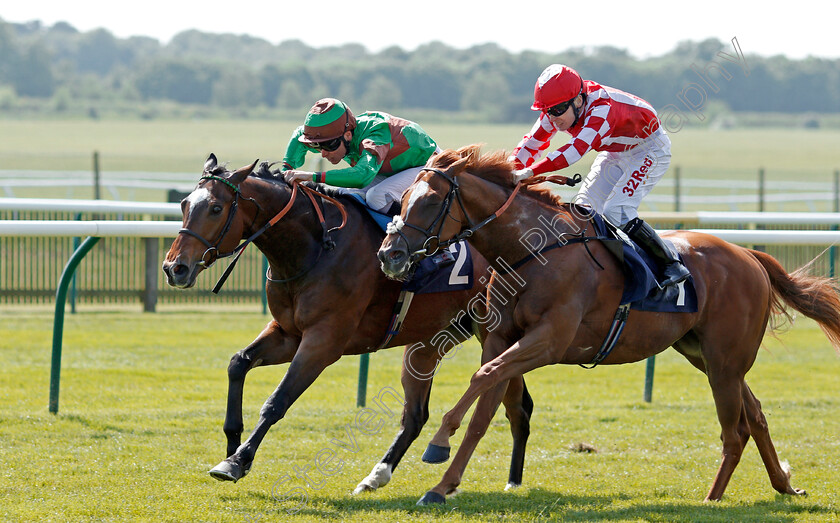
x=559 y=109
x=327 y=145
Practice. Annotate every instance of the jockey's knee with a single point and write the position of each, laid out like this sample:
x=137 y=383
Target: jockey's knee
x=620 y=214
x=382 y=203
x=377 y=201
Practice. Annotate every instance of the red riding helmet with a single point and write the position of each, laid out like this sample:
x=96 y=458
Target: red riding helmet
x=557 y=84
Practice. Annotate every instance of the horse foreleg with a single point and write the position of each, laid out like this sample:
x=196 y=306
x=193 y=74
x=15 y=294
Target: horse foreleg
x=779 y=472
x=311 y=358
x=484 y=412
x=271 y=347
x=529 y=353
x=418 y=369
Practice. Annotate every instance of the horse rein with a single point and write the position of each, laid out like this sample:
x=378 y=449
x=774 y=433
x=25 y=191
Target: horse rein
x=454 y=191
x=213 y=250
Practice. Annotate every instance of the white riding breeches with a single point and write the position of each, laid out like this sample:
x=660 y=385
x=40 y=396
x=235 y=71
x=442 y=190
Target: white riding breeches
x=385 y=190
x=618 y=181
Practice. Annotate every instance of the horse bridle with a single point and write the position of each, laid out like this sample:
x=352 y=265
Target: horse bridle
x=454 y=194
x=213 y=247
x=429 y=248
x=327 y=241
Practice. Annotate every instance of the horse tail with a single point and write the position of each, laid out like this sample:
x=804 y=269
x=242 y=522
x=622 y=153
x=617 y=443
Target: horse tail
x=816 y=297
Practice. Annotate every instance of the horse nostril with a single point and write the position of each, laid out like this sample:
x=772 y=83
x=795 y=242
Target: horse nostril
x=389 y=256
x=175 y=269
x=396 y=255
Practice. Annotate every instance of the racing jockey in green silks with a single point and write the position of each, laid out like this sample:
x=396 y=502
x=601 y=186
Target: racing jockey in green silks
x=385 y=153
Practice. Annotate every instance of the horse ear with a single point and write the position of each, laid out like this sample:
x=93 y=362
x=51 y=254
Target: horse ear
x=473 y=152
x=243 y=172
x=211 y=162
x=458 y=167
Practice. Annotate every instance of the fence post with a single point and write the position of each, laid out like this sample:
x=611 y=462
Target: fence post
x=96 y=189
x=150 y=290
x=361 y=391
x=264 y=281
x=761 y=189
x=651 y=362
x=677 y=189
x=76 y=242
x=832 y=251
x=58 y=322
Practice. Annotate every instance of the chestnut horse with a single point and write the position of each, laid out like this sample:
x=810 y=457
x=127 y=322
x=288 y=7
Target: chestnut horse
x=569 y=295
x=327 y=298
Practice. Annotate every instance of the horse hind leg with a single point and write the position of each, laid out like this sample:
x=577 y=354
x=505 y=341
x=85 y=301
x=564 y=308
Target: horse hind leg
x=779 y=472
x=518 y=409
x=727 y=392
x=518 y=406
x=418 y=369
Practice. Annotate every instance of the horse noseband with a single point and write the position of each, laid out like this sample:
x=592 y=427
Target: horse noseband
x=428 y=233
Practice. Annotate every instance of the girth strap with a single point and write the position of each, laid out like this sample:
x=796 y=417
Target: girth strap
x=399 y=314
x=619 y=320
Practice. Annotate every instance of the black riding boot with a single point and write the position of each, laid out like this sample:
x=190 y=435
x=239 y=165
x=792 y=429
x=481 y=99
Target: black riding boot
x=393 y=210
x=643 y=234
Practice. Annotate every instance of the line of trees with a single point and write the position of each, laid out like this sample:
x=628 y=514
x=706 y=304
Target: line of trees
x=59 y=67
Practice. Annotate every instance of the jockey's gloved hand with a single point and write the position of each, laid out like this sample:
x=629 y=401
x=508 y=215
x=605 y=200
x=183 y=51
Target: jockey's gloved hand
x=292 y=175
x=521 y=174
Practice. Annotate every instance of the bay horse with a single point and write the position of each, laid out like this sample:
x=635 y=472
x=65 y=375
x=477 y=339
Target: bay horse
x=327 y=299
x=568 y=297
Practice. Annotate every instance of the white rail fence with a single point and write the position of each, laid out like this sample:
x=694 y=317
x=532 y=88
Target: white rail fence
x=751 y=229
x=95 y=229
x=683 y=192
x=161 y=229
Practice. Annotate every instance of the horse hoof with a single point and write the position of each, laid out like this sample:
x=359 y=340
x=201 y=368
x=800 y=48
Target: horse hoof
x=431 y=498
x=512 y=486
x=229 y=471
x=362 y=487
x=435 y=454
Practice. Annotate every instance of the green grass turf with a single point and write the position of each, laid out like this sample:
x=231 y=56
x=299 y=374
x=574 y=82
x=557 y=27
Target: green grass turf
x=182 y=146
x=143 y=399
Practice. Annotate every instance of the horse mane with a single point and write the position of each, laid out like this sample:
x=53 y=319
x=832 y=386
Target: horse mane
x=266 y=173
x=493 y=167
x=219 y=170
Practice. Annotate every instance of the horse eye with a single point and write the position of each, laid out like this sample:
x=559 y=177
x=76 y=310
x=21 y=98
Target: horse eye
x=216 y=209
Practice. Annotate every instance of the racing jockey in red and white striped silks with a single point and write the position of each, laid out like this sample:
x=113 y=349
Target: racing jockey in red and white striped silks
x=633 y=153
